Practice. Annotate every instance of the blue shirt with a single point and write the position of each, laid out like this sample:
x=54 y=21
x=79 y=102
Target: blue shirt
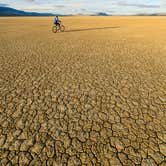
x=56 y=20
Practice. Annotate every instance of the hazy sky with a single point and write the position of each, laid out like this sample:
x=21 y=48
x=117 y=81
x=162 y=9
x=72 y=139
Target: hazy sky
x=88 y=6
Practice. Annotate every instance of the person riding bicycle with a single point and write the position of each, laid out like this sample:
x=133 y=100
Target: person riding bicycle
x=57 y=22
x=58 y=25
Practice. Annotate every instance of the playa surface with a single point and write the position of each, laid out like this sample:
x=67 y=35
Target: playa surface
x=93 y=95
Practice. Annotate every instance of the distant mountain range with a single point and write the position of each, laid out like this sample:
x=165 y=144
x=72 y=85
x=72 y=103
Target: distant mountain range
x=7 y=11
x=101 y=14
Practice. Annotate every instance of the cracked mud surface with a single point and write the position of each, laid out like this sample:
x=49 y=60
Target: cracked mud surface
x=90 y=97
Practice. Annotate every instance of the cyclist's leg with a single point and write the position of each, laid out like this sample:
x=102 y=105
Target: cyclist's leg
x=58 y=24
x=55 y=24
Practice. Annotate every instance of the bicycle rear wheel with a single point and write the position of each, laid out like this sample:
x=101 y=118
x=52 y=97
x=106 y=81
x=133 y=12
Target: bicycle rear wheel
x=54 y=29
x=62 y=28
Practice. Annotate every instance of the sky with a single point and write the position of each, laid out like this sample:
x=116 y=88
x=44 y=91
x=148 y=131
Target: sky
x=114 y=7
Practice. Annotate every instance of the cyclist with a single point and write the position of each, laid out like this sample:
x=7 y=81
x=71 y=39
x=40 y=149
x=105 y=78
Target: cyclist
x=57 y=21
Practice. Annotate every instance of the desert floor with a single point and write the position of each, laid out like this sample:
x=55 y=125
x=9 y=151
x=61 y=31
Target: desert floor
x=93 y=95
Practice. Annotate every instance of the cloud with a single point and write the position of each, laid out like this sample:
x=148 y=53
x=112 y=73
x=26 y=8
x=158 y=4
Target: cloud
x=138 y=5
x=4 y=5
x=59 y=6
x=163 y=3
x=29 y=0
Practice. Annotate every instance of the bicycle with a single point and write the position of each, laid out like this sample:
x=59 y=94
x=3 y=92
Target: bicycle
x=57 y=28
